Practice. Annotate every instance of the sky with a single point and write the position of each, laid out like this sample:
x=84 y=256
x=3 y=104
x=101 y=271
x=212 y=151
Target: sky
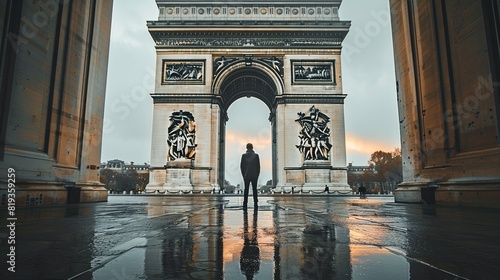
x=368 y=77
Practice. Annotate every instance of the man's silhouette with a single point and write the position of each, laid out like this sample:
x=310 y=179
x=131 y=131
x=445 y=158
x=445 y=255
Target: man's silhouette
x=250 y=169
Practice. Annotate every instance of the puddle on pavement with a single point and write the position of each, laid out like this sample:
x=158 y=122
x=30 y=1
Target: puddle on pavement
x=213 y=238
x=270 y=243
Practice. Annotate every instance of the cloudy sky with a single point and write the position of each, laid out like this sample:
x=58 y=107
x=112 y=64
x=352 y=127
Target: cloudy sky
x=371 y=117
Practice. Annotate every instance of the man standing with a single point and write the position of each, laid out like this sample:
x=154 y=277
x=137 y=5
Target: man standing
x=250 y=169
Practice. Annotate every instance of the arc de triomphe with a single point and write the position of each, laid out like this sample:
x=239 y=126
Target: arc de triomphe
x=285 y=53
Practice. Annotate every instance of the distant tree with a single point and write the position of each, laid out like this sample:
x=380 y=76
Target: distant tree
x=107 y=177
x=266 y=188
x=228 y=187
x=369 y=179
x=128 y=181
x=143 y=181
x=388 y=167
x=354 y=180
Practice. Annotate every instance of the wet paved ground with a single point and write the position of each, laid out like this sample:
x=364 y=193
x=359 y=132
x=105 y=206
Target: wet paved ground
x=288 y=237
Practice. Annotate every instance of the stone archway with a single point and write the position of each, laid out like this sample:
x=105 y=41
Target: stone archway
x=248 y=78
x=209 y=56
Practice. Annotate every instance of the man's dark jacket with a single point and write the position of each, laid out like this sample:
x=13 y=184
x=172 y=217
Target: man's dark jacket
x=250 y=165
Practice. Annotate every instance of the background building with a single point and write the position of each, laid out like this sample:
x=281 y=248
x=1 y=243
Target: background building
x=117 y=176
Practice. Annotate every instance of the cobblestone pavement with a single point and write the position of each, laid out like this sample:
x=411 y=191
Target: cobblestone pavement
x=287 y=237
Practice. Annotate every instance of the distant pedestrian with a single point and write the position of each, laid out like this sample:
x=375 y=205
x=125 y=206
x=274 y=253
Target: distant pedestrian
x=250 y=170
x=362 y=191
x=327 y=189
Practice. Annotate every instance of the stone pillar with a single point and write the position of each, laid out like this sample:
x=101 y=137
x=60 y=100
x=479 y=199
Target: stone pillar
x=52 y=84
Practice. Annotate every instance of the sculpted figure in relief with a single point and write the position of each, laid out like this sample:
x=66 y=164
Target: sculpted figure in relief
x=314 y=135
x=181 y=136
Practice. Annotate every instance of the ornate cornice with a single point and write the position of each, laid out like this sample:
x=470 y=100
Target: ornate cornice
x=279 y=99
x=314 y=167
x=252 y=10
x=165 y=38
x=244 y=42
x=186 y=98
x=241 y=24
x=313 y=98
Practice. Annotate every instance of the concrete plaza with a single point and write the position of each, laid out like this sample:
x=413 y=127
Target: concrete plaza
x=287 y=237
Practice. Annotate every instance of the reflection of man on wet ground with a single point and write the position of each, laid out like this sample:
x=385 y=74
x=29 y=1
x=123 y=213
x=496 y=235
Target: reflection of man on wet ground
x=250 y=254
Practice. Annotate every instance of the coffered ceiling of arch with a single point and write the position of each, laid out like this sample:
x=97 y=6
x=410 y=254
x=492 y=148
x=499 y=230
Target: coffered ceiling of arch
x=248 y=82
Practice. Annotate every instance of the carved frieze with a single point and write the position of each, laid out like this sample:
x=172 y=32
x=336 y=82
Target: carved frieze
x=263 y=11
x=275 y=63
x=245 y=42
x=188 y=71
x=313 y=72
x=252 y=25
x=181 y=136
x=314 y=135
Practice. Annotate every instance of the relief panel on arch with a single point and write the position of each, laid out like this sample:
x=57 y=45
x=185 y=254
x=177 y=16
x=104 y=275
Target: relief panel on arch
x=314 y=135
x=183 y=72
x=181 y=136
x=311 y=72
x=273 y=62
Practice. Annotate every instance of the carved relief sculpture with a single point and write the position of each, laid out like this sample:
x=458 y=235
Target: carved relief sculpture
x=273 y=62
x=314 y=135
x=221 y=63
x=181 y=136
x=183 y=71
x=311 y=72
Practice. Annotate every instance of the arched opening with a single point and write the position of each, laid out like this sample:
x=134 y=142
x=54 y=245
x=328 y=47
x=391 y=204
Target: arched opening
x=249 y=82
x=235 y=85
x=247 y=123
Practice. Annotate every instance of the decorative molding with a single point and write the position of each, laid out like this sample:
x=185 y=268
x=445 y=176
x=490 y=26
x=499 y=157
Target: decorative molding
x=313 y=72
x=159 y=98
x=314 y=167
x=249 y=42
x=258 y=11
x=273 y=62
x=183 y=71
x=314 y=135
x=223 y=62
x=313 y=98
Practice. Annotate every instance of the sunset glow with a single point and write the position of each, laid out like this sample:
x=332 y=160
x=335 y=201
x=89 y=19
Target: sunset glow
x=358 y=150
x=355 y=144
